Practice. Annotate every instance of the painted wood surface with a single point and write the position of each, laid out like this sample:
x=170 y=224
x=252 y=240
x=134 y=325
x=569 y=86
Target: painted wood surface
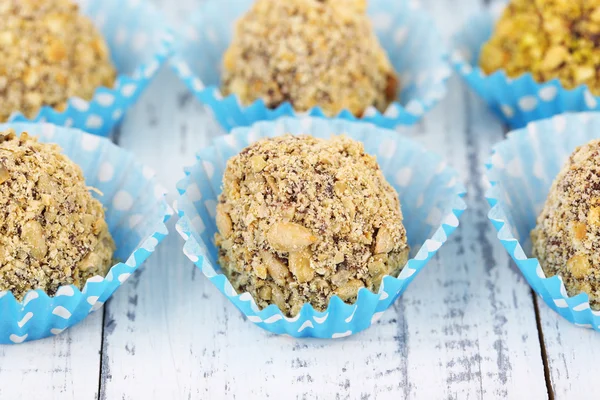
x=465 y=329
x=63 y=367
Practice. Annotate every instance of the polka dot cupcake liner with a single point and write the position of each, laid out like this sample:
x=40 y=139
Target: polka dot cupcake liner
x=407 y=34
x=431 y=197
x=139 y=43
x=521 y=171
x=517 y=101
x=136 y=212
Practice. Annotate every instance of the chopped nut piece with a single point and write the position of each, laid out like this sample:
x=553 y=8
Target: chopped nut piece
x=32 y=234
x=277 y=270
x=340 y=187
x=91 y=261
x=554 y=57
x=579 y=266
x=338 y=258
x=258 y=163
x=265 y=293
x=261 y=271
x=583 y=74
x=224 y=224
x=31 y=77
x=272 y=184
x=594 y=216
x=349 y=206
x=579 y=230
x=384 y=242
x=341 y=277
x=288 y=212
x=288 y=236
x=56 y=51
x=4 y=175
x=299 y=263
x=278 y=297
x=349 y=290
x=376 y=268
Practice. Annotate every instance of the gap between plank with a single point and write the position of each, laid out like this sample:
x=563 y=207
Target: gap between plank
x=538 y=321
x=101 y=354
x=536 y=308
x=115 y=137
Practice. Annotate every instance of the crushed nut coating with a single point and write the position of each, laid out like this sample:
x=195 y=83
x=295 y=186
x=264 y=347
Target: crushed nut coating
x=309 y=53
x=52 y=231
x=301 y=219
x=549 y=38
x=50 y=52
x=566 y=239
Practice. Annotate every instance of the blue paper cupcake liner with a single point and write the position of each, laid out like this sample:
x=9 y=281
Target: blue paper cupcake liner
x=431 y=201
x=136 y=212
x=407 y=34
x=139 y=43
x=517 y=101
x=521 y=171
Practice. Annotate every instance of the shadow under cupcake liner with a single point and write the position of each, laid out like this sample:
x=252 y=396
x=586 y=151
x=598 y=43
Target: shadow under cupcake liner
x=139 y=43
x=136 y=212
x=407 y=34
x=517 y=101
x=521 y=171
x=431 y=201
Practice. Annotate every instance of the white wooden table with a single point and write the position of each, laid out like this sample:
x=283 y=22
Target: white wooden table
x=467 y=328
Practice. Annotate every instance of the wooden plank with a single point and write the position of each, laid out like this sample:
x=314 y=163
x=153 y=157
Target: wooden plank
x=483 y=342
x=572 y=354
x=171 y=334
x=65 y=366
x=484 y=318
x=146 y=327
x=465 y=328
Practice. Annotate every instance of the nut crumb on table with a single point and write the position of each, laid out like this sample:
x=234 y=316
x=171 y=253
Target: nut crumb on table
x=309 y=53
x=52 y=231
x=50 y=53
x=301 y=219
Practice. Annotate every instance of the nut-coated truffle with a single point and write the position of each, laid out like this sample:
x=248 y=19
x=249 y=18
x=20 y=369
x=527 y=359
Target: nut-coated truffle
x=566 y=239
x=309 y=53
x=301 y=219
x=50 y=52
x=550 y=39
x=52 y=231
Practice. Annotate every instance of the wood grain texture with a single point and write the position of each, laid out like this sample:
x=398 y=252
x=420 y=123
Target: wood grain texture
x=171 y=334
x=464 y=329
x=62 y=367
x=572 y=354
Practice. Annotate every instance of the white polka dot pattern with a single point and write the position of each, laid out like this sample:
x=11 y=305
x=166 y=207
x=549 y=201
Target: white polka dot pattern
x=122 y=200
x=106 y=172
